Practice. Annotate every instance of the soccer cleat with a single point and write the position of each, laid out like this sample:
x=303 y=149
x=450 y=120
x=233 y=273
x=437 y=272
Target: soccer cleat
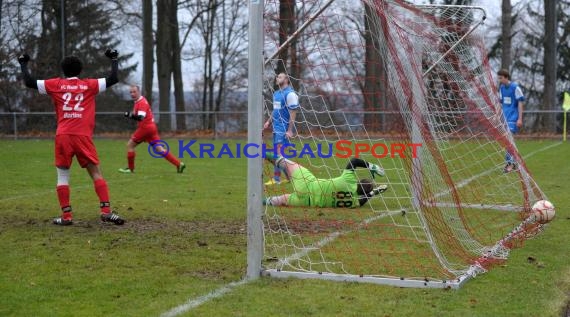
x=272 y=182
x=376 y=170
x=112 y=217
x=62 y=222
x=510 y=167
x=125 y=170
x=180 y=168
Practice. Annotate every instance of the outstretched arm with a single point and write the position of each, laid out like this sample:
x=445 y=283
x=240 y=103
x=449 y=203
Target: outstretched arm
x=29 y=81
x=134 y=116
x=113 y=77
x=376 y=191
x=356 y=162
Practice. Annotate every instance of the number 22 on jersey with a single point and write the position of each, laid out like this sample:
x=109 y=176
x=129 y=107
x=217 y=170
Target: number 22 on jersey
x=71 y=102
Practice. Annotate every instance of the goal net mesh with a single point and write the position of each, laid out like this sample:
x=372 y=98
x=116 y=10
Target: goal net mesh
x=383 y=75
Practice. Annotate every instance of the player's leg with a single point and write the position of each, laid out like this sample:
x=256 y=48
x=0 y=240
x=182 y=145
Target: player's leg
x=63 y=157
x=153 y=137
x=88 y=159
x=279 y=140
x=131 y=154
x=135 y=140
x=282 y=163
x=510 y=163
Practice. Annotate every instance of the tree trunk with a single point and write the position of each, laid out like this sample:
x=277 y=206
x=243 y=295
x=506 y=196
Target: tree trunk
x=506 y=34
x=148 y=50
x=177 y=70
x=164 y=59
x=374 y=79
x=286 y=28
x=549 y=100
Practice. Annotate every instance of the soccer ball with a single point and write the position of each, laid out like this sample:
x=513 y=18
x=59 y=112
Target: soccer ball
x=543 y=211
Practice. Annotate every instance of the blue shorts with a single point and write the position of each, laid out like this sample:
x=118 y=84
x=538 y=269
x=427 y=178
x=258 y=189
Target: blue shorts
x=280 y=138
x=513 y=127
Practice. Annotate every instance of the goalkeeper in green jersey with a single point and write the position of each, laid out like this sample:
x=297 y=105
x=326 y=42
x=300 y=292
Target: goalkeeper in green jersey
x=345 y=191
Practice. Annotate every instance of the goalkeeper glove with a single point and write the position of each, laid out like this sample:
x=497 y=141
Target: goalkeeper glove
x=375 y=170
x=112 y=54
x=23 y=59
x=378 y=190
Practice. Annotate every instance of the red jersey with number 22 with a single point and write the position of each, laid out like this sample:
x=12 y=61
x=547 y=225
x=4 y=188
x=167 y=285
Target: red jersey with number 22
x=74 y=101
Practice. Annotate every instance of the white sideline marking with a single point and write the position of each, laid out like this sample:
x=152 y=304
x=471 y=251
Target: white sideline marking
x=193 y=303
x=541 y=150
x=331 y=237
x=465 y=182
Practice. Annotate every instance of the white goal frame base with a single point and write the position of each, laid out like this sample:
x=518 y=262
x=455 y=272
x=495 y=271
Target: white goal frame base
x=399 y=282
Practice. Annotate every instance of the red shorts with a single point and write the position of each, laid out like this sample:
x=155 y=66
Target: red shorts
x=80 y=146
x=145 y=134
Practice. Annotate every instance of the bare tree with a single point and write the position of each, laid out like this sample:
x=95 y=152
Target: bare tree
x=147 y=49
x=164 y=60
x=549 y=100
x=506 y=34
x=177 y=69
x=374 y=90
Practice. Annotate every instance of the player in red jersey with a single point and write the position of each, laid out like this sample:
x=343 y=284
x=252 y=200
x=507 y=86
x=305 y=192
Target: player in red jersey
x=146 y=132
x=74 y=101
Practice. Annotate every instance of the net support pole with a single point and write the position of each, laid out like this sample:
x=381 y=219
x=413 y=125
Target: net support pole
x=564 y=128
x=254 y=164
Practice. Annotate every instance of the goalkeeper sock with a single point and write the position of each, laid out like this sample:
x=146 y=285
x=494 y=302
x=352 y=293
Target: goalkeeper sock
x=131 y=160
x=63 y=194
x=103 y=192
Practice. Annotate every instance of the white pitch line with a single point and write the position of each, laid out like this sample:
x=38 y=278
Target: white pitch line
x=193 y=303
x=465 y=182
x=543 y=149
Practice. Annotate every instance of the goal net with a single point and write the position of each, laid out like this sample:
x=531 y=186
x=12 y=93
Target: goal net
x=410 y=89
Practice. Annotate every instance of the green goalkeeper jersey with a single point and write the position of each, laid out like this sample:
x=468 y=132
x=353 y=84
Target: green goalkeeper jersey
x=339 y=192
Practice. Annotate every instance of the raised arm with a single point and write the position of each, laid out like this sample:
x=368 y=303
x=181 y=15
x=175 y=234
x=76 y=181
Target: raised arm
x=356 y=162
x=29 y=81
x=113 y=77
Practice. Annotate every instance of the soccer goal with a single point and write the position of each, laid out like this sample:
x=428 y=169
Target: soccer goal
x=379 y=76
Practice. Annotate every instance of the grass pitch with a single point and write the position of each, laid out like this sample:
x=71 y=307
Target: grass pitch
x=186 y=237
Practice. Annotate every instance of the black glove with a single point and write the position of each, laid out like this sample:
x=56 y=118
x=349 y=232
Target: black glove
x=133 y=116
x=112 y=54
x=23 y=59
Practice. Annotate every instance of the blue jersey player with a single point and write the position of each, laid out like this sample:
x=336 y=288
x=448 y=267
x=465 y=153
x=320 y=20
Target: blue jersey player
x=285 y=106
x=512 y=102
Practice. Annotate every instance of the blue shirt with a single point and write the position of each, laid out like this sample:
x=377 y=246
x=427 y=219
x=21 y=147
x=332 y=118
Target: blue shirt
x=510 y=96
x=281 y=108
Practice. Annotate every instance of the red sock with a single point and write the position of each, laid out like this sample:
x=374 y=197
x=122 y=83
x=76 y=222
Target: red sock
x=103 y=192
x=63 y=195
x=172 y=159
x=131 y=160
